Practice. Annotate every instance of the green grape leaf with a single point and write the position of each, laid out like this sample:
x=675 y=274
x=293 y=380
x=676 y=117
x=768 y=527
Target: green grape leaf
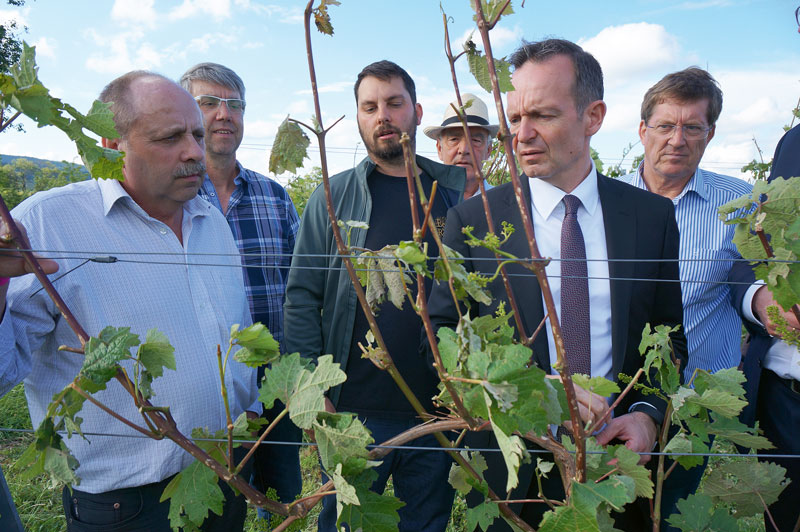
x=99 y=119
x=482 y=515
x=192 y=493
x=680 y=443
x=697 y=513
x=376 y=513
x=308 y=398
x=616 y=491
x=104 y=352
x=340 y=437
x=281 y=378
x=462 y=480
x=258 y=346
x=514 y=452
x=448 y=348
x=288 y=149
x=599 y=385
x=739 y=433
x=718 y=401
x=628 y=464
x=479 y=68
x=745 y=484
x=656 y=347
x=345 y=493
x=156 y=353
x=569 y=518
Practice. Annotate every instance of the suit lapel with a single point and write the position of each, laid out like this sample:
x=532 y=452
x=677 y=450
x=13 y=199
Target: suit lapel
x=526 y=288
x=621 y=233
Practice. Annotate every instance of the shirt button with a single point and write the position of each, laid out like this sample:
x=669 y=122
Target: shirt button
x=163 y=231
x=212 y=194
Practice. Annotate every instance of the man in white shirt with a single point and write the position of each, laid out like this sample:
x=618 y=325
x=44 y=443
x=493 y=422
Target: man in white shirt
x=161 y=235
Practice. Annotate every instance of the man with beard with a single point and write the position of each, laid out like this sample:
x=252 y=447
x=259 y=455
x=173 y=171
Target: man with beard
x=323 y=316
x=153 y=215
x=264 y=223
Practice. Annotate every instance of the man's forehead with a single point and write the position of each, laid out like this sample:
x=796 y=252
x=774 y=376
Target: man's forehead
x=392 y=87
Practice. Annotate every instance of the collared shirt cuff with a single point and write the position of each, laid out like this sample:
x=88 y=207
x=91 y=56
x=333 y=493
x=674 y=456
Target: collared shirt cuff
x=747 y=303
x=646 y=408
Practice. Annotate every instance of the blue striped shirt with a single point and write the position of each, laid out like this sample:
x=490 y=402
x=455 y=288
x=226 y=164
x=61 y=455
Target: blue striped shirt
x=712 y=325
x=264 y=224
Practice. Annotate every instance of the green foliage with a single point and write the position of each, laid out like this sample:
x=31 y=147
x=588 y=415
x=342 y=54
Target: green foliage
x=479 y=67
x=22 y=90
x=383 y=276
x=258 y=347
x=493 y=9
x=21 y=178
x=775 y=216
x=745 y=485
x=698 y=513
x=192 y=493
x=495 y=168
x=301 y=187
x=289 y=148
x=617 y=170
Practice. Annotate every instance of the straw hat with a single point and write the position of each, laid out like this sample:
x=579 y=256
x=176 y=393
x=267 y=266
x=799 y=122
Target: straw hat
x=477 y=115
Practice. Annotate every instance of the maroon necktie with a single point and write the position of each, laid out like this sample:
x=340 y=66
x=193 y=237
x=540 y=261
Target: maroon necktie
x=574 y=291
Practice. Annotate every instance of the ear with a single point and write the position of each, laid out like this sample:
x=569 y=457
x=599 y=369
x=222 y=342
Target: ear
x=594 y=114
x=711 y=133
x=439 y=148
x=418 y=109
x=110 y=143
x=642 y=130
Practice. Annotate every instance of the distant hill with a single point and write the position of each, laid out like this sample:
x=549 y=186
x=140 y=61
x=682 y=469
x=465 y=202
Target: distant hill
x=40 y=163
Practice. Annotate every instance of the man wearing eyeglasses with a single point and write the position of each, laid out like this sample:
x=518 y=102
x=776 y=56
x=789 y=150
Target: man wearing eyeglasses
x=264 y=223
x=679 y=115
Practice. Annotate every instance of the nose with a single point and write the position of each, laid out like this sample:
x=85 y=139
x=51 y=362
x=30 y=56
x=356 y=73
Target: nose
x=677 y=138
x=464 y=146
x=383 y=114
x=525 y=131
x=194 y=149
x=223 y=113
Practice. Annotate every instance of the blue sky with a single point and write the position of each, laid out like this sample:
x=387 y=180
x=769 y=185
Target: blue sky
x=751 y=47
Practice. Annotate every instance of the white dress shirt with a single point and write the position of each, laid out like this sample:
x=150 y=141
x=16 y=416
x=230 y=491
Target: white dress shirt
x=781 y=358
x=158 y=282
x=548 y=214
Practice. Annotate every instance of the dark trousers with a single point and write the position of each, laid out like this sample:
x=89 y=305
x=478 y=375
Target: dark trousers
x=778 y=410
x=138 y=509
x=277 y=465
x=419 y=478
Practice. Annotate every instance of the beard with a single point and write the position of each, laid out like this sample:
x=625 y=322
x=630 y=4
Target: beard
x=390 y=151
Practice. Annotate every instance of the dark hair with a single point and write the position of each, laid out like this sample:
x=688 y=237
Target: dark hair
x=118 y=94
x=689 y=85
x=588 y=85
x=385 y=71
x=213 y=73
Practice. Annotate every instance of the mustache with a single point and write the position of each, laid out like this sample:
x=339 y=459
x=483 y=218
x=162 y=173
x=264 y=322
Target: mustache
x=387 y=129
x=187 y=169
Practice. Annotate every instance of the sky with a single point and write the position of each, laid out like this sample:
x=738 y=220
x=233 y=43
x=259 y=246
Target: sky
x=751 y=47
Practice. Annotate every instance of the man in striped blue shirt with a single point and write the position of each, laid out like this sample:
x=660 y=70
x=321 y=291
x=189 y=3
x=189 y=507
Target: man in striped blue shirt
x=264 y=223
x=679 y=115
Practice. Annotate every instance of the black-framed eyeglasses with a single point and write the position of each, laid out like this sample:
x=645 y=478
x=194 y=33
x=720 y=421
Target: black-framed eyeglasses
x=211 y=103
x=690 y=131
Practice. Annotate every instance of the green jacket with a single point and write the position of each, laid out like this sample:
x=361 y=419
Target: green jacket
x=321 y=303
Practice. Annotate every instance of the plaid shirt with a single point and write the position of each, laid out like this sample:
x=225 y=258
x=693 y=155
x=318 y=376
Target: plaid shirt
x=264 y=223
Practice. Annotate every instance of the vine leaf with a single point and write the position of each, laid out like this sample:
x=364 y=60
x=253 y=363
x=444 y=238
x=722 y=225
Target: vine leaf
x=657 y=348
x=192 y=493
x=736 y=483
x=482 y=515
x=491 y=9
x=599 y=385
x=479 y=68
x=340 y=437
x=48 y=454
x=628 y=464
x=376 y=513
x=258 y=346
x=104 y=352
x=697 y=512
x=154 y=354
x=321 y=17
x=291 y=380
x=23 y=91
x=289 y=148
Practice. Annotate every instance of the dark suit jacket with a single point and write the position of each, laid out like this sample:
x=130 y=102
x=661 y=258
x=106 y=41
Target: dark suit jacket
x=785 y=164
x=638 y=225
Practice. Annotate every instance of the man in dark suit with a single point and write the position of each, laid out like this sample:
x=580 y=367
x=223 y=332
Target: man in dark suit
x=772 y=366
x=554 y=110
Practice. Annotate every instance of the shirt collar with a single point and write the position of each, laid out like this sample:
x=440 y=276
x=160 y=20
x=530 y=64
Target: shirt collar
x=112 y=193
x=696 y=184
x=546 y=197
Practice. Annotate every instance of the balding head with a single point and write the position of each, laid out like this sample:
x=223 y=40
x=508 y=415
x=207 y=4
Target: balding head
x=122 y=95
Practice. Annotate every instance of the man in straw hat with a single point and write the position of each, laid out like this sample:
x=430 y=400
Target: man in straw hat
x=454 y=149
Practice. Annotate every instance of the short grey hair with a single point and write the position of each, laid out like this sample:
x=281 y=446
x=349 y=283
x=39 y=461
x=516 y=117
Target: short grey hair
x=588 y=85
x=118 y=94
x=213 y=73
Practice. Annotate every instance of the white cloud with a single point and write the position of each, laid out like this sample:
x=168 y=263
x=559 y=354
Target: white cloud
x=286 y=15
x=134 y=12
x=209 y=40
x=218 y=9
x=629 y=51
x=502 y=38
x=45 y=48
x=337 y=86
x=17 y=16
x=122 y=52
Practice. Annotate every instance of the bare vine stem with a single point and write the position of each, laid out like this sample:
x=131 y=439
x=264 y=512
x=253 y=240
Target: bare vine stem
x=477 y=166
x=536 y=265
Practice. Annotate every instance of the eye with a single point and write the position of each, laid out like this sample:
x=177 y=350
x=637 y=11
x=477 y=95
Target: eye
x=693 y=129
x=665 y=128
